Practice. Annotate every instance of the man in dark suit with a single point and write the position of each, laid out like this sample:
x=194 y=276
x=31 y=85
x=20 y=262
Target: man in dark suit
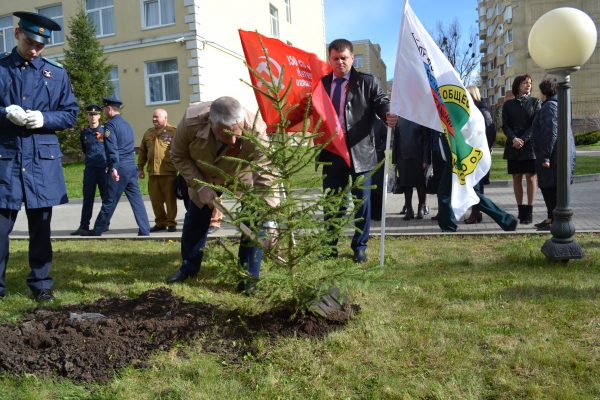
x=357 y=98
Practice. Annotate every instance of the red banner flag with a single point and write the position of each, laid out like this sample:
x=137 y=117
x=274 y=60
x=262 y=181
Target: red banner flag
x=305 y=70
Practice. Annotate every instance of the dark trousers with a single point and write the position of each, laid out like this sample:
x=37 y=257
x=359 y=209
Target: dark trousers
x=376 y=205
x=40 y=246
x=128 y=183
x=92 y=178
x=336 y=178
x=193 y=241
x=446 y=218
x=550 y=200
x=160 y=189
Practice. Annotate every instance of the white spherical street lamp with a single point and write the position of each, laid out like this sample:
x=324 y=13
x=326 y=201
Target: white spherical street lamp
x=561 y=41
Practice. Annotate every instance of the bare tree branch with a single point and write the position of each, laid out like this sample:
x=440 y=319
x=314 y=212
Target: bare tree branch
x=463 y=56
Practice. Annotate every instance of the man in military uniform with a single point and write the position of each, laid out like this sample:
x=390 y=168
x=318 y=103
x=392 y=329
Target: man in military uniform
x=202 y=136
x=155 y=150
x=36 y=100
x=95 y=172
x=119 y=143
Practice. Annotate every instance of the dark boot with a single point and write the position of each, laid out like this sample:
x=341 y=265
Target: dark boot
x=420 y=211
x=475 y=216
x=521 y=212
x=527 y=215
x=409 y=214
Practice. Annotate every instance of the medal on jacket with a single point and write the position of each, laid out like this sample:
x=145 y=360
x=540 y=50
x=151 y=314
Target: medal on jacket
x=152 y=138
x=99 y=136
x=167 y=138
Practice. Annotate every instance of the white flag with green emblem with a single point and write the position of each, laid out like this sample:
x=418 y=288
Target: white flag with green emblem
x=427 y=90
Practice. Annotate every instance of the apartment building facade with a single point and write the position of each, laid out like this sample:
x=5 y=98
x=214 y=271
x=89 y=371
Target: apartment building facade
x=367 y=58
x=171 y=53
x=504 y=27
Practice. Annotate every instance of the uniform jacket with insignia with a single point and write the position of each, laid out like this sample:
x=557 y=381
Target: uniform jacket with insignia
x=155 y=150
x=119 y=143
x=30 y=159
x=92 y=145
x=194 y=141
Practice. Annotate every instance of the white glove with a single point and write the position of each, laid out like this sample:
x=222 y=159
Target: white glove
x=35 y=119
x=16 y=115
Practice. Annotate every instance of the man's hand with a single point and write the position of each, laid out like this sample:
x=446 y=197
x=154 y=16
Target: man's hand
x=271 y=239
x=115 y=175
x=517 y=143
x=35 y=119
x=546 y=165
x=141 y=175
x=206 y=196
x=391 y=120
x=16 y=115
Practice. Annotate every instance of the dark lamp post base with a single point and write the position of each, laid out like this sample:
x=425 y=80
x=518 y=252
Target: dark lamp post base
x=562 y=246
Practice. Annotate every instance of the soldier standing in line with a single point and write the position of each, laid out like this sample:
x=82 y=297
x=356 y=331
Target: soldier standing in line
x=155 y=150
x=95 y=172
x=119 y=143
x=36 y=100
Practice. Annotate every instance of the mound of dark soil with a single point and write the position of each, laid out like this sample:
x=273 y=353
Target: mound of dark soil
x=49 y=341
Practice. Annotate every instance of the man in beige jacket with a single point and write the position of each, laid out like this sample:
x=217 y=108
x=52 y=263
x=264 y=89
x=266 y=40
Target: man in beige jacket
x=155 y=150
x=202 y=136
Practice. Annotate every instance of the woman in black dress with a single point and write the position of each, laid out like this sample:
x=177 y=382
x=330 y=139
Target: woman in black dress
x=412 y=154
x=517 y=118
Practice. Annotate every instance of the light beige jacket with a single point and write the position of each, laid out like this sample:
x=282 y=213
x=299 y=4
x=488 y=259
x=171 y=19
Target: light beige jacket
x=195 y=141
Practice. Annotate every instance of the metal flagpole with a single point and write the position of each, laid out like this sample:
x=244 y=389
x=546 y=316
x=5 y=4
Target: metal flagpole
x=384 y=197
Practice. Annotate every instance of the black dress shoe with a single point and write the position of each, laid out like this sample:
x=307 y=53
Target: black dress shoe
x=89 y=233
x=157 y=228
x=43 y=295
x=546 y=226
x=179 y=276
x=105 y=229
x=513 y=225
x=403 y=210
x=360 y=256
x=78 y=232
x=172 y=228
x=435 y=217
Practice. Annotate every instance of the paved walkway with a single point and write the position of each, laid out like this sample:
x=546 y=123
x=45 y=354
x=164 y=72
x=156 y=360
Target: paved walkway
x=585 y=202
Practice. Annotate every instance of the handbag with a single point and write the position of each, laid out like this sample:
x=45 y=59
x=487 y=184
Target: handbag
x=180 y=188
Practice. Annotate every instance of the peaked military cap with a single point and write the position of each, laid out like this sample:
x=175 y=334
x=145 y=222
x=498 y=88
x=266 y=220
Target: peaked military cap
x=37 y=27
x=93 y=109
x=110 y=101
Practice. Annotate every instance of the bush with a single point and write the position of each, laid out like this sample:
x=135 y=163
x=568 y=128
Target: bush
x=587 y=138
x=500 y=139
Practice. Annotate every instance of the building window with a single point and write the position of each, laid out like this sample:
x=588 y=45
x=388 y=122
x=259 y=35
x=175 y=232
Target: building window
x=510 y=60
x=508 y=84
x=491 y=30
x=499 y=8
x=508 y=13
x=358 y=61
x=102 y=13
x=484 y=93
x=500 y=50
x=54 y=13
x=6 y=34
x=490 y=48
x=158 y=13
x=288 y=11
x=274 y=21
x=162 y=81
x=490 y=12
x=503 y=91
x=508 y=37
x=114 y=79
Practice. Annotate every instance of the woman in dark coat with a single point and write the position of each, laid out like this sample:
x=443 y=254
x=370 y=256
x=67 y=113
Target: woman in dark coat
x=437 y=163
x=517 y=117
x=490 y=133
x=412 y=154
x=544 y=135
x=380 y=134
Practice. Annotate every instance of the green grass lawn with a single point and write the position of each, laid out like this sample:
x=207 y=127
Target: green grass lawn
x=450 y=317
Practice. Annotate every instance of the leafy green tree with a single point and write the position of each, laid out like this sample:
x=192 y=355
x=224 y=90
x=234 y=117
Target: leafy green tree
x=295 y=273
x=89 y=72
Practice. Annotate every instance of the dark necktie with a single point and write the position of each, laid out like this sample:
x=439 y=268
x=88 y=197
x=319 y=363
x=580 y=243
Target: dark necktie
x=337 y=95
x=223 y=146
